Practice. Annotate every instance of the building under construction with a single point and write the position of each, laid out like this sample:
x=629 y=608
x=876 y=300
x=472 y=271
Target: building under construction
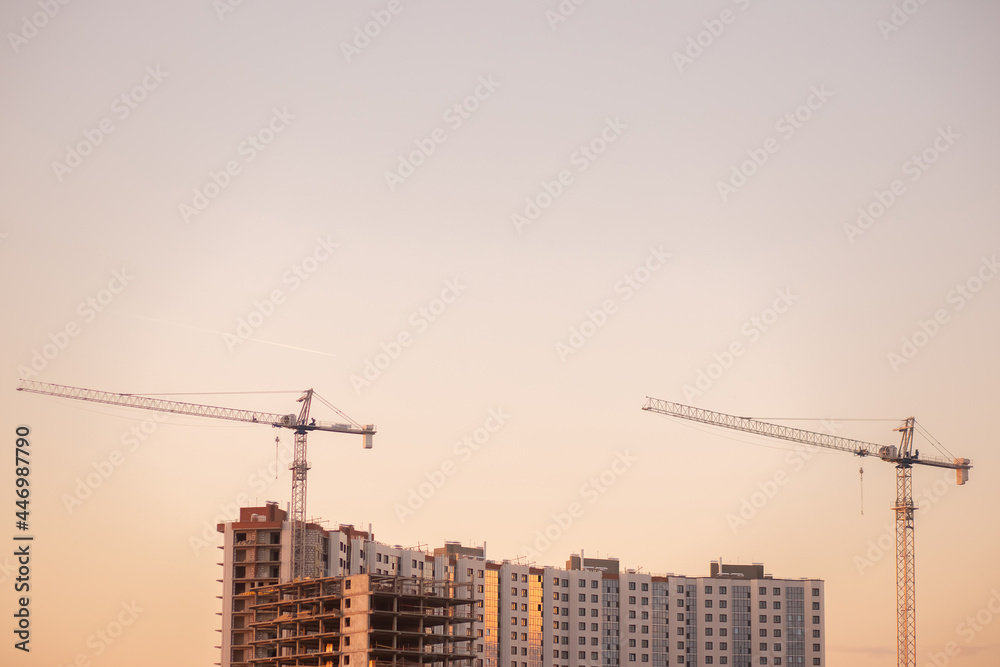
x=365 y=620
x=370 y=604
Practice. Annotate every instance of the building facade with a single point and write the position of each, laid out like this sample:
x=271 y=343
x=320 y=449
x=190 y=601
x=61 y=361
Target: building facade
x=589 y=613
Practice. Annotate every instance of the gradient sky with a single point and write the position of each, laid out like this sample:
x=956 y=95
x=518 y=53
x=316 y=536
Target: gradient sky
x=183 y=86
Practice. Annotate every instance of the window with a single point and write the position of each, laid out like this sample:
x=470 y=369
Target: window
x=582 y=611
x=776 y=591
x=816 y=661
x=414 y=563
x=815 y=647
x=723 y=618
x=815 y=619
x=762 y=604
x=680 y=589
x=815 y=591
x=815 y=634
x=594 y=627
x=631 y=587
x=631 y=657
x=763 y=633
x=593 y=655
x=723 y=660
x=815 y=606
x=762 y=590
x=645 y=615
x=582 y=626
x=582 y=655
x=565 y=625
x=645 y=587
x=513 y=620
x=777 y=648
x=565 y=597
x=513 y=591
x=708 y=646
x=555 y=596
x=593 y=584
x=524 y=592
x=479 y=574
x=708 y=632
x=631 y=599
x=680 y=603
x=524 y=578
x=644 y=601
x=583 y=583
x=480 y=588
x=777 y=661
x=513 y=635
x=777 y=632
x=708 y=618
x=777 y=604
x=631 y=613
x=723 y=631
x=581 y=640
x=524 y=607
x=708 y=660
x=631 y=628
x=631 y=643
x=513 y=651
x=582 y=597
x=645 y=657
x=777 y=619
x=763 y=660
x=513 y=576
x=680 y=616
x=722 y=603
x=593 y=612
x=524 y=622
x=555 y=653
x=708 y=590
x=723 y=646
x=708 y=604
x=594 y=599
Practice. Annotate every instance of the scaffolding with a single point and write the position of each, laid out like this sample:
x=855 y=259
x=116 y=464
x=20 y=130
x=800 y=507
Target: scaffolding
x=362 y=621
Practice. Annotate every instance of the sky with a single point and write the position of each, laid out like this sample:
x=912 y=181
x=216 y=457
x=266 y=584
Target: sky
x=492 y=230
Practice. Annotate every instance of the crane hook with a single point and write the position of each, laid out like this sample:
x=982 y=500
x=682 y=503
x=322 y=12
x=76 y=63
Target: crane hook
x=861 y=471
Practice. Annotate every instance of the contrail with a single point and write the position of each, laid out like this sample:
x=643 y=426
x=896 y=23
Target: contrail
x=223 y=333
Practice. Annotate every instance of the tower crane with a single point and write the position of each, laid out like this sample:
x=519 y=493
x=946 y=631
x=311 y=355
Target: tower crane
x=904 y=457
x=301 y=424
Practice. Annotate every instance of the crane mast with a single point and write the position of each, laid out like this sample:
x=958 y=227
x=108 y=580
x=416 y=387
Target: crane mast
x=301 y=424
x=904 y=457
